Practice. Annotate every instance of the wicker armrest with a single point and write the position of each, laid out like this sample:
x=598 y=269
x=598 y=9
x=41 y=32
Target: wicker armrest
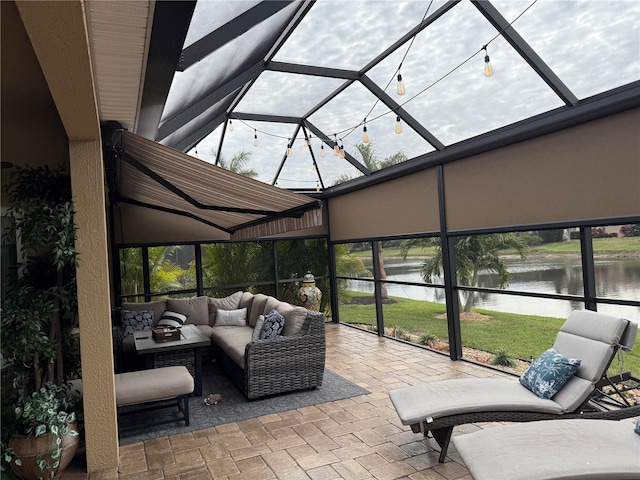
x=286 y=363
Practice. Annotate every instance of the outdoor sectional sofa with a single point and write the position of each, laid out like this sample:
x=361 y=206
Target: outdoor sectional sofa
x=292 y=361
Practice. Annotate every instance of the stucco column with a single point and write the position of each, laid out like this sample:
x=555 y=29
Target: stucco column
x=101 y=429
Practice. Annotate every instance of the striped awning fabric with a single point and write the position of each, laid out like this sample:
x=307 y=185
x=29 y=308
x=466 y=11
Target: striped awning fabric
x=155 y=176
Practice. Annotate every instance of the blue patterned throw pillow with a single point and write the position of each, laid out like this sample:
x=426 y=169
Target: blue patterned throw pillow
x=135 y=321
x=549 y=373
x=272 y=326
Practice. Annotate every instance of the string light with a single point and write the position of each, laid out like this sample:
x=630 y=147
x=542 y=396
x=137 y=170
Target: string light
x=400 y=89
x=488 y=69
x=289 y=152
x=230 y=127
x=398 y=125
x=310 y=140
x=365 y=136
x=322 y=152
x=338 y=150
x=255 y=138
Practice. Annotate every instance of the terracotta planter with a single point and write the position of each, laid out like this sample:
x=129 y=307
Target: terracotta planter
x=28 y=448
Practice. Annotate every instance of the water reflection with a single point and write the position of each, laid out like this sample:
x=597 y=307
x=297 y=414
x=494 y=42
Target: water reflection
x=615 y=278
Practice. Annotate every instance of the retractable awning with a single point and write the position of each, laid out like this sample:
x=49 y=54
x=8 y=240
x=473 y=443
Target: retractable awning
x=154 y=176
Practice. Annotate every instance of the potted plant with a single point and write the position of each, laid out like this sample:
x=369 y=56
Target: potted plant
x=39 y=312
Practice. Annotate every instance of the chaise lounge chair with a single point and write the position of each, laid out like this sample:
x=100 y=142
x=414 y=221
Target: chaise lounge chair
x=591 y=337
x=567 y=449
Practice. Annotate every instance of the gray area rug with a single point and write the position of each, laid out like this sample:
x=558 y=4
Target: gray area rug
x=234 y=406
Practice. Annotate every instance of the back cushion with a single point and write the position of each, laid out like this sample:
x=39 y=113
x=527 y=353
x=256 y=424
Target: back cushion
x=195 y=309
x=246 y=301
x=158 y=307
x=257 y=308
x=294 y=318
x=232 y=302
x=272 y=303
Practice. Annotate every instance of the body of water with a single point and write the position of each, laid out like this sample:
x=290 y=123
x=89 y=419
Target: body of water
x=616 y=278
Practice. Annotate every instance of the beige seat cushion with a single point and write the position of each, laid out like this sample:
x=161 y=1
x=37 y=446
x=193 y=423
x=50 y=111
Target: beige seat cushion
x=232 y=341
x=148 y=385
x=196 y=309
x=553 y=449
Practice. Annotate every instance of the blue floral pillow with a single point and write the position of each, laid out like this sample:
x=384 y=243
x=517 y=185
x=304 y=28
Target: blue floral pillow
x=549 y=373
x=272 y=326
x=134 y=321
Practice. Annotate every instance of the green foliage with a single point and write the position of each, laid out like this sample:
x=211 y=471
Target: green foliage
x=550 y=236
x=368 y=155
x=239 y=164
x=503 y=358
x=40 y=309
x=429 y=339
x=49 y=410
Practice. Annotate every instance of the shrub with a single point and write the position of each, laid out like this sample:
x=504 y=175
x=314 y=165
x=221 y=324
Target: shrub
x=503 y=358
x=429 y=339
x=551 y=236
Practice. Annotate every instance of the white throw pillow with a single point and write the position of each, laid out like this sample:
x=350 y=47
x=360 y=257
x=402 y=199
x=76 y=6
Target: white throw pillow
x=231 y=318
x=257 y=329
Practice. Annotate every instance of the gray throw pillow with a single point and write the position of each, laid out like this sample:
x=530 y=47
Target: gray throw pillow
x=273 y=325
x=135 y=321
x=257 y=329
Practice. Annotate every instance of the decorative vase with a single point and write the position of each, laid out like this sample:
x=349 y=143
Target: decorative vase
x=30 y=450
x=310 y=295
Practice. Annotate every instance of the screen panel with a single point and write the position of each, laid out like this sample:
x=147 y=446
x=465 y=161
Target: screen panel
x=589 y=171
x=402 y=206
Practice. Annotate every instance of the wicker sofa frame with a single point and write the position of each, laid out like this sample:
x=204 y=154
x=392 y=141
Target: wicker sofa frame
x=266 y=373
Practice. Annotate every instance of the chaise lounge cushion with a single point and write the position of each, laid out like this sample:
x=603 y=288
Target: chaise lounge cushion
x=467 y=395
x=556 y=449
x=196 y=309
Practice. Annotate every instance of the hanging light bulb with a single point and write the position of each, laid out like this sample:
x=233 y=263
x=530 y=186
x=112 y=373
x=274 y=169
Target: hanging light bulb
x=398 y=125
x=310 y=140
x=365 y=136
x=255 y=138
x=401 y=90
x=289 y=149
x=336 y=148
x=322 y=152
x=317 y=186
x=488 y=69
x=341 y=153
x=230 y=127
x=306 y=142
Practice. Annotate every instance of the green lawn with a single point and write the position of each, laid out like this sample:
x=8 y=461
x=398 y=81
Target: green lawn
x=616 y=245
x=523 y=336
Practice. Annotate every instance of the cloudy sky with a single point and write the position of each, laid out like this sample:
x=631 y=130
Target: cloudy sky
x=592 y=45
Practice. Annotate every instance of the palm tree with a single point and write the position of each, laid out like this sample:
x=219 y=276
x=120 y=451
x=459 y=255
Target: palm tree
x=473 y=253
x=238 y=164
x=164 y=275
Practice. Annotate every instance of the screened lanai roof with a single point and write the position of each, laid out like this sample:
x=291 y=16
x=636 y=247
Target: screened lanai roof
x=284 y=72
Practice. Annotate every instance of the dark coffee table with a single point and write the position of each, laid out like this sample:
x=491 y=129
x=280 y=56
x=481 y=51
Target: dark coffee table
x=186 y=351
